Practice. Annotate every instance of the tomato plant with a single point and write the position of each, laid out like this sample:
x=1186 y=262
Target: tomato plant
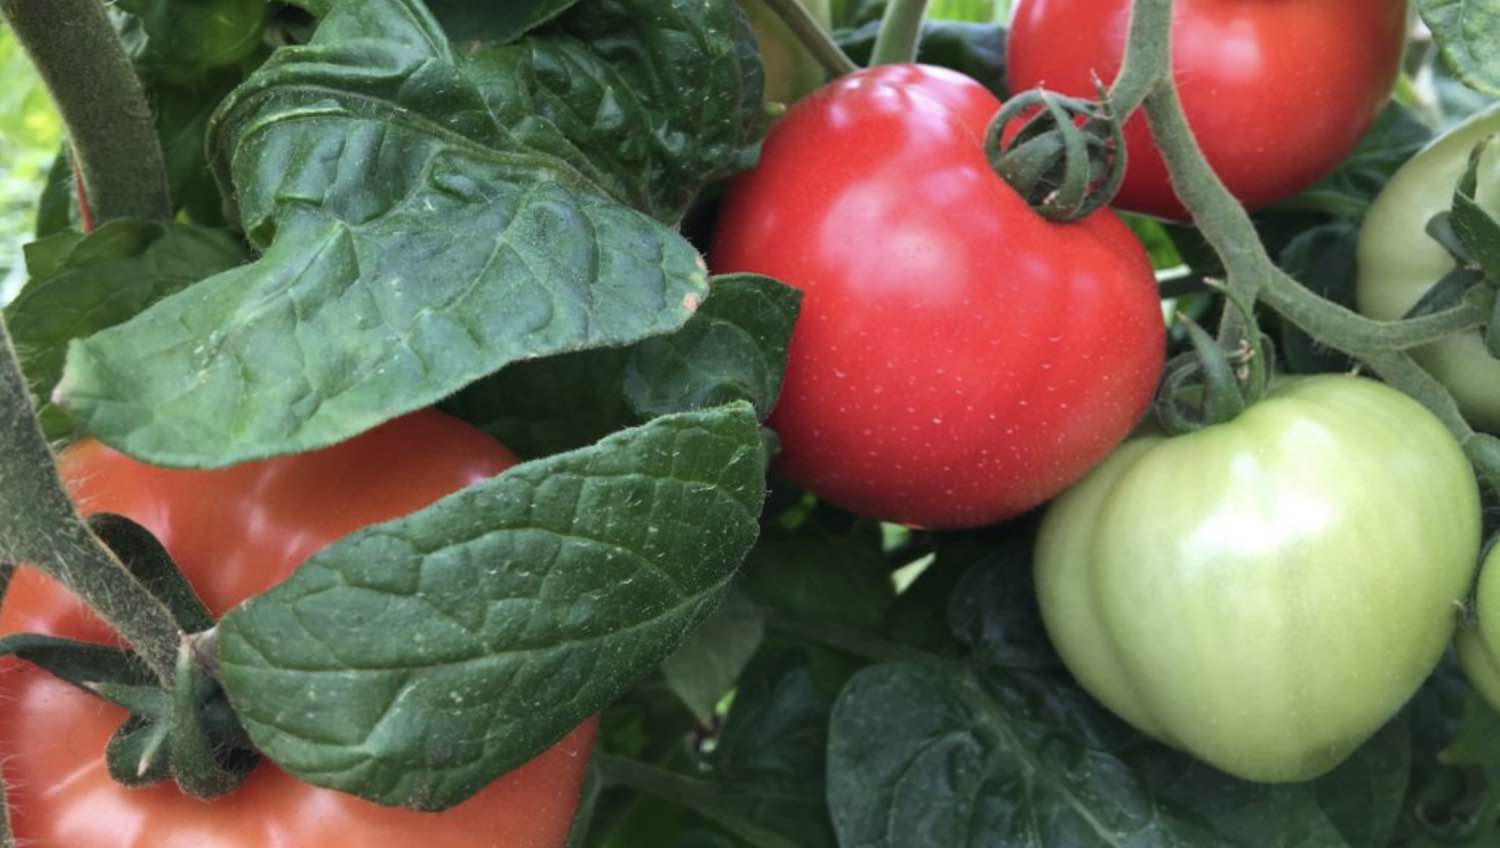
x=236 y=533
x=958 y=359
x=1277 y=93
x=1399 y=261
x=304 y=266
x=1302 y=565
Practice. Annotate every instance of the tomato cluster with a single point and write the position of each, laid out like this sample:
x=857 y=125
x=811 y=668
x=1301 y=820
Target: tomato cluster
x=235 y=533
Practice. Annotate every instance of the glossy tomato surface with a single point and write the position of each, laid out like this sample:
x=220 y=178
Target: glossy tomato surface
x=1267 y=592
x=235 y=533
x=1399 y=262
x=1277 y=92
x=958 y=359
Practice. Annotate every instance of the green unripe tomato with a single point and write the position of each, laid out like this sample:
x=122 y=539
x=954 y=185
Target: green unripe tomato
x=791 y=71
x=1265 y=593
x=1476 y=642
x=1398 y=261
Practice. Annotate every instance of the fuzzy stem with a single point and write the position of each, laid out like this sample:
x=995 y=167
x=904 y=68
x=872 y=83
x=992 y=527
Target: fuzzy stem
x=101 y=101
x=39 y=526
x=900 y=33
x=811 y=34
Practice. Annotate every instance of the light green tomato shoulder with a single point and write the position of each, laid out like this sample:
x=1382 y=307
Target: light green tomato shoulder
x=1266 y=593
x=1398 y=261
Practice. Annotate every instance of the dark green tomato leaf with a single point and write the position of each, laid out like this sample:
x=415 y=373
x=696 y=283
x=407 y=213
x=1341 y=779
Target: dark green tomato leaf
x=540 y=407
x=603 y=89
x=1323 y=258
x=137 y=754
x=705 y=667
x=994 y=611
x=819 y=576
x=431 y=224
x=83 y=284
x=415 y=661
x=1476 y=736
x=917 y=756
x=467 y=21
x=771 y=754
x=1362 y=797
x=1465 y=31
x=1263 y=815
x=733 y=349
x=1348 y=192
x=647 y=723
x=57 y=208
x=974 y=49
x=180 y=40
x=182 y=113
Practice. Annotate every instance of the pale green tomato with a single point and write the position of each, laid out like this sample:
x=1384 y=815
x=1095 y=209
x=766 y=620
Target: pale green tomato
x=1265 y=593
x=790 y=70
x=1476 y=642
x=1398 y=261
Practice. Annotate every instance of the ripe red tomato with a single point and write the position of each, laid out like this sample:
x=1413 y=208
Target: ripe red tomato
x=959 y=359
x=236 y=533
x=1277 y=92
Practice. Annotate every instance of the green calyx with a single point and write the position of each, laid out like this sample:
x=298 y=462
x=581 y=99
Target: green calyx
x=1068 y=157
x=1212 y=383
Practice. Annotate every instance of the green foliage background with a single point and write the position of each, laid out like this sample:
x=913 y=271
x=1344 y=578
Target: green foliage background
x=29 y=134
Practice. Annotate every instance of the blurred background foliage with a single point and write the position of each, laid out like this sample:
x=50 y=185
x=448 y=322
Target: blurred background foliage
x=30 y=133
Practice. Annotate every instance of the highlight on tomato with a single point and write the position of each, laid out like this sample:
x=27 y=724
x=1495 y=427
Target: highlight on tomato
x=235 y=533
x=959 y=359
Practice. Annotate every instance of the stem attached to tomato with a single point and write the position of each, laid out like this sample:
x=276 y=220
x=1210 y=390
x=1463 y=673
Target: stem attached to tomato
x=84 y=65
x=811 y=34
x=40 y=526
x=1252 y=275
x=900 y=32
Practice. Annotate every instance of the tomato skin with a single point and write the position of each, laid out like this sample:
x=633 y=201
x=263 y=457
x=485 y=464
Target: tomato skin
x=1277 y=92
x=958 y=359
x=1398 y=261
x=1265 y=593
x=235 y=533
x=1476 y=642
x=791 y=71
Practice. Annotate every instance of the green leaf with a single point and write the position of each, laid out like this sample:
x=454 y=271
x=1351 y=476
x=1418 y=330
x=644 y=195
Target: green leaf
x=181 y=40
x=1476 y=229
x=545 y=406
x=816 y=575
x=83 y=284
x=1362 y=797
x=733 y=349
x=920 y=757
x=417 y=660
x=1465 y=32
x=465 y=20
x=428 y=218
x=150 y=563
x=705 y=667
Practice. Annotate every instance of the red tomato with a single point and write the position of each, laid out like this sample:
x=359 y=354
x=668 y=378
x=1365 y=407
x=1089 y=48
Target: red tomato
x=1278 y=92
x=959 y=359
x=236 y=533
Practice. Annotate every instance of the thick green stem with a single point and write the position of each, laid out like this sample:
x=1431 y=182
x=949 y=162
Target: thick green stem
x=1251 y=274
x=40 y=526
x=900 y=32
x=1148 y=56
x=811 y=34
x=109 y=125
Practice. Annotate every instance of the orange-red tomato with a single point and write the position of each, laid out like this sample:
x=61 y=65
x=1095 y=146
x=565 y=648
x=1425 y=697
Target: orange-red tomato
x=235 y=533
